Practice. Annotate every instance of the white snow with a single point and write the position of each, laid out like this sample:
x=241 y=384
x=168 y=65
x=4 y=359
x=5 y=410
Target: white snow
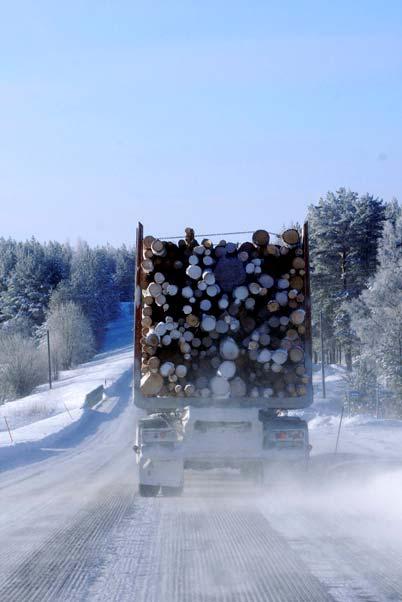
x=361 y=434
x=46 y=412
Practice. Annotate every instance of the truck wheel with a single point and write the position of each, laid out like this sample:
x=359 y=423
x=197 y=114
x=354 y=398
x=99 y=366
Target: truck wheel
x=148 y=490
x=172 y=491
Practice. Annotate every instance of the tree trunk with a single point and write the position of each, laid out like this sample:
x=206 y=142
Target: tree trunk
x=348 y=358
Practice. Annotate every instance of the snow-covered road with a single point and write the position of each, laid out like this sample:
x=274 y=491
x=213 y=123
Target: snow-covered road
x=73 y=528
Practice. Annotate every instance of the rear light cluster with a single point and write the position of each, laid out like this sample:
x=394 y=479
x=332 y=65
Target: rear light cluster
x=289 y=435
x=285 y=439
x=156 y=436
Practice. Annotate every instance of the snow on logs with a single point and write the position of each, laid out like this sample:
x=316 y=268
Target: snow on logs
x=223 y=321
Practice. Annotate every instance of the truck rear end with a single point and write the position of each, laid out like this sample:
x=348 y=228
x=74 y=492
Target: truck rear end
x=222 y=353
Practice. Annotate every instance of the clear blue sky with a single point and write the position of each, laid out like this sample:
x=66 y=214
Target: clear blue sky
x=217 y=114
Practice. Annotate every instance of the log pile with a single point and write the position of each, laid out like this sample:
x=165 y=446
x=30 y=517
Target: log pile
x=224 y=320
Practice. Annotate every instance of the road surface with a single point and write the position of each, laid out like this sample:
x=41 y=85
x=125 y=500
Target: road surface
x=73 y=528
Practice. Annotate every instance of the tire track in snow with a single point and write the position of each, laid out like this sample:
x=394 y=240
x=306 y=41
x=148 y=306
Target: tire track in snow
x=228 y=553
x=39 y=505
x=352 y=569
x=64 y=566
x=202 y=549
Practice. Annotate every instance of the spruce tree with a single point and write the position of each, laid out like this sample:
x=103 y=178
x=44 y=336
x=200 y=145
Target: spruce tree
x=345 y=229
x=377 y=314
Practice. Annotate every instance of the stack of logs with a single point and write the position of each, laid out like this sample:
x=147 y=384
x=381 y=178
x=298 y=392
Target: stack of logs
x=224 y=320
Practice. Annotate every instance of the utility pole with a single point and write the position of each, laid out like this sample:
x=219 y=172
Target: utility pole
x=48 y=358
x=322 y=358
x=339 y=429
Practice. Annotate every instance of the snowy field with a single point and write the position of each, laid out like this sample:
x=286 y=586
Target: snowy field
x=360 y=434
x=46 y=412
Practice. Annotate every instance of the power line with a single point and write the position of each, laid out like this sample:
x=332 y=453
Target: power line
x=215 y=234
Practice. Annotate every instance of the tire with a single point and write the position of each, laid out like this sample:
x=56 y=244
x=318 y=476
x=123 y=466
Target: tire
x=172 y=491
x=148 y=490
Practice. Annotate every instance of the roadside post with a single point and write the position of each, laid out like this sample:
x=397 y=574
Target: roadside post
x=68 y=411
x=9 y=430
x=339 y=429
x=48 y=358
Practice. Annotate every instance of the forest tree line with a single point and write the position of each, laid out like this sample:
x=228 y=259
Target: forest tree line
x=356 y=283
x=72 y=292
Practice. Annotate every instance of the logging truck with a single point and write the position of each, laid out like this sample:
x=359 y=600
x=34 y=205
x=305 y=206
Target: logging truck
x=222 y=355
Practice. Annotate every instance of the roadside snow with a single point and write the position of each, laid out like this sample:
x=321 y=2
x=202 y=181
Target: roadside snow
x=360 y=435
x=46 y=412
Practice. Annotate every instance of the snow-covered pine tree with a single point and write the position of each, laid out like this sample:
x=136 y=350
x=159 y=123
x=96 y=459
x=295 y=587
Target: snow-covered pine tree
x=124 y=274
x=27 y=286
x=58 y=262
x=93 y=287
x=344 y=233
x=377 y=314
x=8 y=258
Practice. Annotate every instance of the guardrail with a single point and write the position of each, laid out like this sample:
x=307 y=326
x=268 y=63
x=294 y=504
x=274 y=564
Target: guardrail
x=94 y=397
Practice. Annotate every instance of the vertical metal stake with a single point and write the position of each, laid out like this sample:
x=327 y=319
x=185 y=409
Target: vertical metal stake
x=8 y=428
x=322 y=358
x=339 y=430
x=48 y=358
x=68 y=411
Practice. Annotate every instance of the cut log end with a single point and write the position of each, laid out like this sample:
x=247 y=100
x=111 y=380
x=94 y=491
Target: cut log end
x=291 y=237
x=261 y=238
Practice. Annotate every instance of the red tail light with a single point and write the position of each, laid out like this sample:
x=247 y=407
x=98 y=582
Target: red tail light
x=281 y=435
x=289 y=435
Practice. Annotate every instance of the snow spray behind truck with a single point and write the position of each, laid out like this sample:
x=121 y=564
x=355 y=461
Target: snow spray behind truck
x=222 y=351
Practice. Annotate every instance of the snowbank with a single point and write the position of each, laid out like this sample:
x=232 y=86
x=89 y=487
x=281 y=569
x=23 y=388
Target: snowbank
x=46 y=412
x=360 y=435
